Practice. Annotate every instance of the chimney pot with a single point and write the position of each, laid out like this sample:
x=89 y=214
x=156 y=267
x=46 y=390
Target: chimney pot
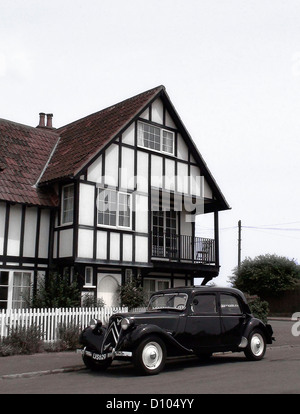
x=42 y=119
x=49 y=120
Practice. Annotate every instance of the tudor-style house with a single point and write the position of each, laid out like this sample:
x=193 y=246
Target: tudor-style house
x=108 y=197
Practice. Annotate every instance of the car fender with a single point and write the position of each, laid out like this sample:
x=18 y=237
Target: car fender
x=92 y=338
x=141 y=331
x=255 y=323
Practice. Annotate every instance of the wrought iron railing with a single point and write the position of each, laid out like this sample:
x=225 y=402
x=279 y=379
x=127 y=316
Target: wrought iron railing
x=183 y=248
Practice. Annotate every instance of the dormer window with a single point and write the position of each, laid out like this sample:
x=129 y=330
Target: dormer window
x=155 y=138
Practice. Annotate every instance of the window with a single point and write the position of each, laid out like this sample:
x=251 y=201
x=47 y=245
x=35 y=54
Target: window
x=114 y=209
x=3 y=289
x=67 y=204
x=21 y=290
x=204 y=304
x=157 y=139
x=88 y=279
x=230 y=305
x=164 y=234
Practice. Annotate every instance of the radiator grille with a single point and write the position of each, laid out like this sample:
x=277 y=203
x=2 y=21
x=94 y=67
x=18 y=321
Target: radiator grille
x=112 y=334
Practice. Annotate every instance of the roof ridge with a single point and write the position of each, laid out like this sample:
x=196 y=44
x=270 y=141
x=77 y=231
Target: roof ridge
x=150 y=91
x=33 y=128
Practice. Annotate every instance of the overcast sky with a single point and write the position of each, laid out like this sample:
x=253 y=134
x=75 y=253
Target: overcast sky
x=230 y=67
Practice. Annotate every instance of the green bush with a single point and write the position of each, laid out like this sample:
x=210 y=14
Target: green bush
x=131 y=295
x=259 y=308
x=266 y=275
x=68 y=336
x=22 y=340
x=56 y=292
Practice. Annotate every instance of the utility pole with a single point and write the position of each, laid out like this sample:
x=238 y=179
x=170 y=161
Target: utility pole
x=239 y=243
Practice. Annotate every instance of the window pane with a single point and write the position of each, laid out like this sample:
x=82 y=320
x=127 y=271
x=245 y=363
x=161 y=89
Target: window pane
x=3 y=293
x=149 y=136
x=230 y=305
x=124 y=210
x=167 y=142
x=67 y=204
x=107 y=207
x=26 y=279
x=21 y=289
x=4 y=278
x=17 y=281
x=204 y=304
x=88 y=276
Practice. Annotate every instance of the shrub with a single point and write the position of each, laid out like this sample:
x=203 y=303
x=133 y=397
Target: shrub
x=131 y=295
x=259 y=308
x=56 y=292
x=68 y=336
x=22 y=340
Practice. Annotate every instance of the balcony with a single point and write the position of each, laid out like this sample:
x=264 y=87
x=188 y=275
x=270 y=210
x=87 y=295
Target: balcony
x=188 y=249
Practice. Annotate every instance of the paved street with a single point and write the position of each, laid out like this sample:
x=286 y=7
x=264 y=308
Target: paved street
x=278 y=372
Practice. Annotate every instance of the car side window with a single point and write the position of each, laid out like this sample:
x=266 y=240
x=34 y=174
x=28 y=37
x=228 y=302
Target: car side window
x=204 y=304
x=229 y=305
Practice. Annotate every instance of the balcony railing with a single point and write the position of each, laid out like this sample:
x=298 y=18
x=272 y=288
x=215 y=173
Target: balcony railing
x=183 y=248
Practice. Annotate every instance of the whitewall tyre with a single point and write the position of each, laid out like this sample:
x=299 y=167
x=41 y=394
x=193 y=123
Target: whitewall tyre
x=256 y=347
x=150 y=356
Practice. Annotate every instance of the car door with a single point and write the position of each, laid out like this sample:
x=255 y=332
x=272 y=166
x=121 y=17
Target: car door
x=232 y=320
x=203 y=328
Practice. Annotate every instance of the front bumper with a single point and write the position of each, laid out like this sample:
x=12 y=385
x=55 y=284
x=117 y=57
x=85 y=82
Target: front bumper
x=102 y=357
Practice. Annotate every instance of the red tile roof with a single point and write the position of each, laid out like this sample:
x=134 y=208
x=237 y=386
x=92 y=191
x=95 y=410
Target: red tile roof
x=24 y=152
x=81 y=140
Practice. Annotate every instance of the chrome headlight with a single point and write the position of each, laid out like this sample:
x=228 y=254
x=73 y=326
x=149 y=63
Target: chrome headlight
x=94 y=322
x=126 y=323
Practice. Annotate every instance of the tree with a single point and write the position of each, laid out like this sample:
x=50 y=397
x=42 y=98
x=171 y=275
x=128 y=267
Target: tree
x=266 y=275
x=56 y=292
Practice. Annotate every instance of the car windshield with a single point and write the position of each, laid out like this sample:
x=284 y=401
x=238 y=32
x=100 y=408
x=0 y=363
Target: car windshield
x=168 y=301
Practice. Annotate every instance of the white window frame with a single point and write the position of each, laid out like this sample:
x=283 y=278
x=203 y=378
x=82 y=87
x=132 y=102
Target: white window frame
x=11 y=273
x=63 y=202
x=118 y=211
x=141 y=138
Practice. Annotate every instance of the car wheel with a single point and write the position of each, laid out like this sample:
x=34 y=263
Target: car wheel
x=256 y=347
x=96 y=365
x=150 y=355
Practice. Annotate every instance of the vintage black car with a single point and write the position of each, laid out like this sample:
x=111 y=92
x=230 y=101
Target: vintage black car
x=178 y=321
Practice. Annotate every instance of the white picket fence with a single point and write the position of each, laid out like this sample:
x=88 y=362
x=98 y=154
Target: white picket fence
x=49 y=320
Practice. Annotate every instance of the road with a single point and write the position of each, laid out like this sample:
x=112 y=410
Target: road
x=277 y=373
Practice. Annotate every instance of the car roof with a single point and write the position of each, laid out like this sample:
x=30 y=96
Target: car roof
x=194 y=289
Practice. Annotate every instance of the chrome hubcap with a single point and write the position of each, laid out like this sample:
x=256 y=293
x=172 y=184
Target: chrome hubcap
x=257 y=345
x=152 y=355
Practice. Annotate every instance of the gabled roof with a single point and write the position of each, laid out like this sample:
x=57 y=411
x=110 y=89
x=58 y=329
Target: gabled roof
x=24 y=151
x=31 y=157
x=81 y=140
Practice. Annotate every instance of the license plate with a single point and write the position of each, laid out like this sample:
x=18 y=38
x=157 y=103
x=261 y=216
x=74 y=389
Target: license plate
x=99 y=357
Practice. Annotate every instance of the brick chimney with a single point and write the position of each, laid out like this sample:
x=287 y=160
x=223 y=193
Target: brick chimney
x=42 y=120
x=42 y=123
x=49 y=120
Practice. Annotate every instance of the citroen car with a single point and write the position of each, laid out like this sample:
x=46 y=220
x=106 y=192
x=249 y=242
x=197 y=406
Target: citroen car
x=177 y=322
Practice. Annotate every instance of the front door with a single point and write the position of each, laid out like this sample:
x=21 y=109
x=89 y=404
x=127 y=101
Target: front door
x=203 y=326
